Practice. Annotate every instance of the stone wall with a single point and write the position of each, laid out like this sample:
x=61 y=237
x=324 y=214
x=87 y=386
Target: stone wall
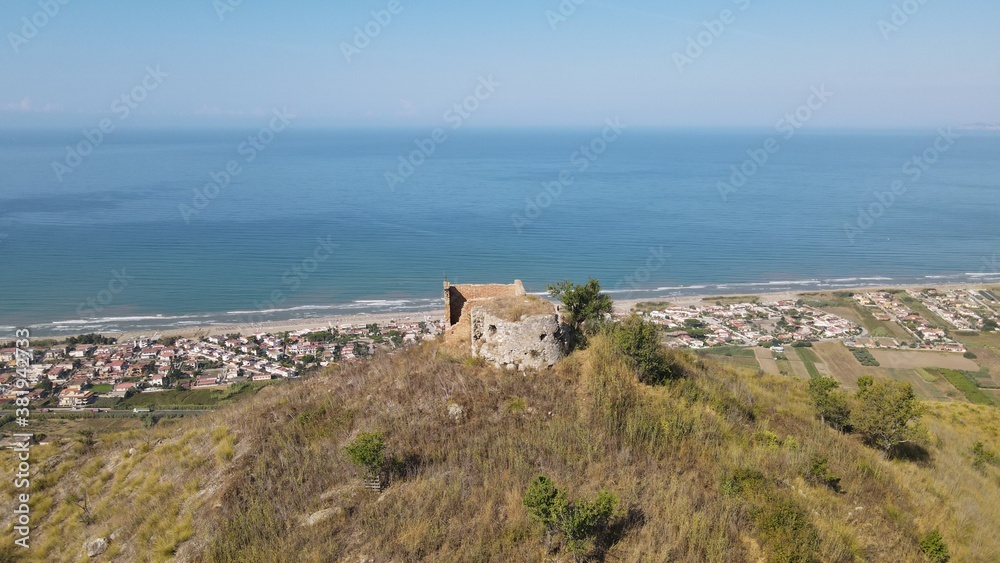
x=534 y=341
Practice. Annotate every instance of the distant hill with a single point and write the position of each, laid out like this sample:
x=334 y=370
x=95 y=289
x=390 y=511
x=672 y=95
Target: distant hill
x=713 y=466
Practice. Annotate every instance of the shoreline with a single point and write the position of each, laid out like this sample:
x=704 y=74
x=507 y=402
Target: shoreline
x=792 y=295
x=290 y=325
x=621 y=307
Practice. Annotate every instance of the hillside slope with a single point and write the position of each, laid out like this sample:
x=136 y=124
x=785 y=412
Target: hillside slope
x=709 y=467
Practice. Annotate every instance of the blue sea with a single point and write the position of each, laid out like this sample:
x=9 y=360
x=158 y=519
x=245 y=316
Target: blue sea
x=137 y=235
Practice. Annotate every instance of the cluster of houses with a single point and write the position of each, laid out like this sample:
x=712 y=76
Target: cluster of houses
x=961 y=308
x=749 y=324
x=886 y=307
x=119 y=369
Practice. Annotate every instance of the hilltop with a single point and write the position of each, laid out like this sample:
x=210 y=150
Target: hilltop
x=713 y=465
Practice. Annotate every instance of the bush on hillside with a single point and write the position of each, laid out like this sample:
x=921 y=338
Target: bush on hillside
x=981 y=456
x=580 y=521
x=819 y=473
x=639 y=340
x=830 y=403
x=368 y=452
x=886 y=413
x=933 y=546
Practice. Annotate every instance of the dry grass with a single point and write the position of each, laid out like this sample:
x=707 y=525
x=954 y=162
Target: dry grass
x=709 y=468
x=515 y=308
x=902 y=359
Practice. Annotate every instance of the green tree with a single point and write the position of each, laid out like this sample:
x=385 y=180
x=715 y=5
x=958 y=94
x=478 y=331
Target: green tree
x=639 y=340
x=368 y=452
x=585 y=305
x=886 y=413
x=831 y=404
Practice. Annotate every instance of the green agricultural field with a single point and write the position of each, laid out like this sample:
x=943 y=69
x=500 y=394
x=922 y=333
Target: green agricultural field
x=938 y=390
x=191 y=399
x=738 y=361
x=734 y=351
x=732 y=355
x=965 y=383
x=979 y=339
x=864 y=357
x=810 y=359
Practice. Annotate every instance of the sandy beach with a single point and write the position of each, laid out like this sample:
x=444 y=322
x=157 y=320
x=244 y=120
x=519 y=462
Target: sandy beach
x=621 y=307
x=626 y=305
x=290 y=325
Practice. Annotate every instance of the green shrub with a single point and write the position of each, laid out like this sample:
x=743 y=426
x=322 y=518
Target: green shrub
x=787 y=531
x=970 y=355
x=741 y=481
x=540 y=500
x=639 y=340
x=580 y=522
x=368 y=452
x=933 y=546
x=819 y=473
x=981 y=456
x=784 y=528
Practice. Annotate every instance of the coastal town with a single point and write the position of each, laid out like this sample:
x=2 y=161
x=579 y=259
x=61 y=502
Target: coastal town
x=95 y=371
x=81 y=371
x=749 y=324
x=954 y=309
x=775 y=324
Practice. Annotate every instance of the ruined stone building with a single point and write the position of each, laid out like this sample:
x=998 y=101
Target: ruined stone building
x=504 y=325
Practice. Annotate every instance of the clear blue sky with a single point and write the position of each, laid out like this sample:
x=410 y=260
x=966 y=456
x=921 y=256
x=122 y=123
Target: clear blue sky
x=610 y=58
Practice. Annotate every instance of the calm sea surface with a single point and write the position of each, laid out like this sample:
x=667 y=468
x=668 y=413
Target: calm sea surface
x=310 y=226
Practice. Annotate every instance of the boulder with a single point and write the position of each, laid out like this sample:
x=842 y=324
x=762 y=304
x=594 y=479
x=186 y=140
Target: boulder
x=322 y=515
x=96 y=546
